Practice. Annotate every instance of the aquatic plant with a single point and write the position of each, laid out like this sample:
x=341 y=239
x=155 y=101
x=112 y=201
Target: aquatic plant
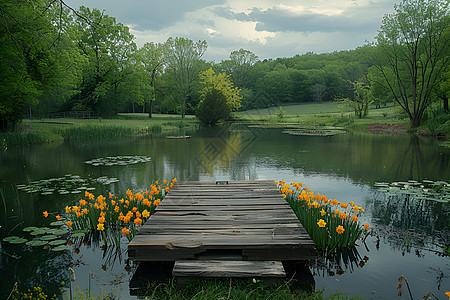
x=438 y=191
x=330 y=224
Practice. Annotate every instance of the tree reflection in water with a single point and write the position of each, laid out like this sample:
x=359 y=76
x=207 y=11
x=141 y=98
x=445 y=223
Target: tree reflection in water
x=411 y=225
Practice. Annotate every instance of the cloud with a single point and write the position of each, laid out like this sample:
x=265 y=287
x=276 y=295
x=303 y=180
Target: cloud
x=146 y=14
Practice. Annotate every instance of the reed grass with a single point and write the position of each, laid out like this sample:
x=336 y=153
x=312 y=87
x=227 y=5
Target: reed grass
x=31 y=137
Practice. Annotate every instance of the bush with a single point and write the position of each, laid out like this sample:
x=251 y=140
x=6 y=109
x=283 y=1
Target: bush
x=213 y=108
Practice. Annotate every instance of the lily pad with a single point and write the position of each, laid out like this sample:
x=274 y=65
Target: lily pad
x=10 y=238
x=60 y=248
x=38 y=232
x=36 y=243
x=78 y=234
x=29 y=229
x=18 y=241
x=59 y=231
x=48 y=237
x=57 y=242
x=57 y=223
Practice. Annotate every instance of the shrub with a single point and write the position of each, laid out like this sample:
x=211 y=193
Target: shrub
x=213 y=108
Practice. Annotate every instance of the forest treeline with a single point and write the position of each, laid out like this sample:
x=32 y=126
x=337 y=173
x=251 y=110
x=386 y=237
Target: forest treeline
x=55 y=58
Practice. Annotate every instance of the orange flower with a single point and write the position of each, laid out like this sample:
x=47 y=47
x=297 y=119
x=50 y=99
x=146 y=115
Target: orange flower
x=68 y=223
x=116 y=209
x=171 y=185
x=342 y=216
x=167 y=189
x=156 y=182
x=306 y=188
x=113 y=202
x=344 y=205
x=45 y=214
x=355 y=218
x=174 y=180
x=138 y=221
x=86 y=193
x=85 y=211
x=68 y=209
x=110 y=195
x=340 y=229
x=321 y=223
x=58 y=217
x=356 y=208
x=366 y=226
x=156 y=202
x=79 y=214
x=101 y=220
x=448 y=294
x=134 y=209
x=322 y=212
x=100 y=226
x=336 y=211
x=352 y=203
x=125 y=231
x=83 y=202
x=165 y=181
x=334 y=202
x=138 y=214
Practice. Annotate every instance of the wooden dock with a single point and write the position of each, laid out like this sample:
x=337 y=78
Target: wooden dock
x=235 y=220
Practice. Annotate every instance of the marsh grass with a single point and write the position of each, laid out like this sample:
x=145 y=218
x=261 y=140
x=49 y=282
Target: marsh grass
x=28 y=137
x=225 y=288
x=96 y=132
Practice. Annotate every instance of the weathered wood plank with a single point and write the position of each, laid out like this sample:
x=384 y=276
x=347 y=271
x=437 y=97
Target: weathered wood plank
x=195 y=218
x=221 y=268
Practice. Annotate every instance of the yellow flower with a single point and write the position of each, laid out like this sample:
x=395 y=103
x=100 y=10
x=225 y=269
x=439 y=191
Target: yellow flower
x=45 y=214
x=321 y=223
x=340 y=229
x=355 y=218
x=100 y=226
x=68 y=223
x=68 y=209
x=352 y=203
x=174 y=180
x=322 y=212
x=145 y=214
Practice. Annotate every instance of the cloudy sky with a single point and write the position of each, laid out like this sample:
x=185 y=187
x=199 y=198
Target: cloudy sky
x=268 y=28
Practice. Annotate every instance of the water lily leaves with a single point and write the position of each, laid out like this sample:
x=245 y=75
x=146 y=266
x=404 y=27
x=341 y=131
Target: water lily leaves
x=29 y=229
x=438 y=191
x=57 y=223
x=10 y=238
x=59 y=231
x=36 y=243
x=79 y=234
x=48 y=237
x=60 y=248
x=122 y=160
x=18 y=241
x=57 y=242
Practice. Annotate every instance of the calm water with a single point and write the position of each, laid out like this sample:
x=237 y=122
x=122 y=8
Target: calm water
x=406 y=234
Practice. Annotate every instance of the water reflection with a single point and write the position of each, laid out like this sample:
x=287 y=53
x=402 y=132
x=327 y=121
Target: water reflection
x=346 y=260
x=411 y=225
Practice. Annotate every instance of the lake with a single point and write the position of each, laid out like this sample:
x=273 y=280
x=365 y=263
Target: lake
x=407 y=234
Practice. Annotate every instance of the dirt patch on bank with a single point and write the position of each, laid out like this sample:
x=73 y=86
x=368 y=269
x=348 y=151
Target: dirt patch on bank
x=392 y=129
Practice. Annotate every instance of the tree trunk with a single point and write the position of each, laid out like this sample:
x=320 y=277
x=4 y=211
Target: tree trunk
x=150 y=107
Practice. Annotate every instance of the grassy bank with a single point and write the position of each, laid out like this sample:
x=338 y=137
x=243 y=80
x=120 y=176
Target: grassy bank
x=124 y=125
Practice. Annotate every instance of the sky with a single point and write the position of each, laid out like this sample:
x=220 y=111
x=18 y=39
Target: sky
x=268 y=28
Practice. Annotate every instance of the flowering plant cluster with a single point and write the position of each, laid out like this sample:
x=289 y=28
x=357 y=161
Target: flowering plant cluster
x=118 y=214
x=331 y=224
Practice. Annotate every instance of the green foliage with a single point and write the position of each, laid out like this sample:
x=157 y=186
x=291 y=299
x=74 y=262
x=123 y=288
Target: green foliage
x=412 y=53
x=213 y=108
x=361 y=100
x=281 y=113
x=96 y=132
x=221 y=82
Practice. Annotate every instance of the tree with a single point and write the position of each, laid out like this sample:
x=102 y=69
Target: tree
x=221 y=82
x=240 y=63
x=213 y=107
x=183 y=56
x=152 y=57
x=361 y=100
x=413 y=51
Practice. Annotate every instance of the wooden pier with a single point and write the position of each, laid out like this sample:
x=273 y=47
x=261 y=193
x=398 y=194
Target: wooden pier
x=234 y=221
